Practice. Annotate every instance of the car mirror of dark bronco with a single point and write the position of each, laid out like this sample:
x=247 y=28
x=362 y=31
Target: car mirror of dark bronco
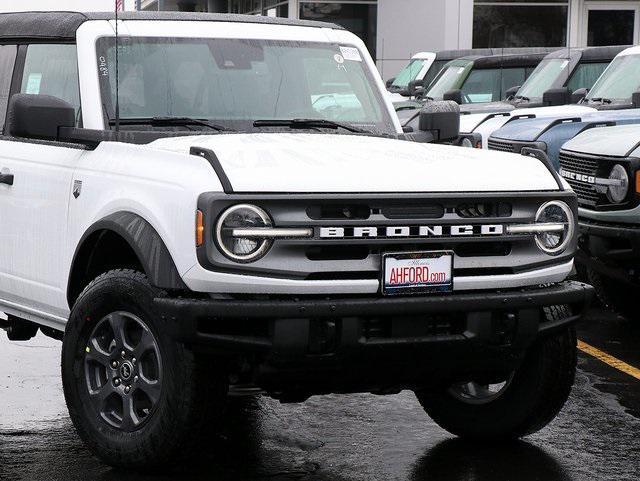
x=38 y=116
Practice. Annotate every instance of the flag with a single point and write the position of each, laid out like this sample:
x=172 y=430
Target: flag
x=120 y=5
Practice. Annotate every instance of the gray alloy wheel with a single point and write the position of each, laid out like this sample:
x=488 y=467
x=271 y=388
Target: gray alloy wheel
x=476 y=393
x=123 y=371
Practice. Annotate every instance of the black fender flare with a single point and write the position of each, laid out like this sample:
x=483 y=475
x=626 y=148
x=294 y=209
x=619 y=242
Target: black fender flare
x=147 y=244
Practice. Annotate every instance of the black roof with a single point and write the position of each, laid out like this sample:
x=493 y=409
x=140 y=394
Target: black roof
x=531 y=59
x=590 y=54
x=63 y=25
x=454 y=54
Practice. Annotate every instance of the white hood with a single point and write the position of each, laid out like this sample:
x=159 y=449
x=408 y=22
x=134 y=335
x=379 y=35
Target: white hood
x=312 y=163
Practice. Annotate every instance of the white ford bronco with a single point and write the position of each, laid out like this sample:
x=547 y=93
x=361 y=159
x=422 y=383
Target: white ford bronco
x=204 y=206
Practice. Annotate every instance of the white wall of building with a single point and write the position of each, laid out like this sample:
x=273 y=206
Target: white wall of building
x=406 y=27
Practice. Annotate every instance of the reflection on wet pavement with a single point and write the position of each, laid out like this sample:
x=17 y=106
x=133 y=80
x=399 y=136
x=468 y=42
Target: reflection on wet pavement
x=458 y=459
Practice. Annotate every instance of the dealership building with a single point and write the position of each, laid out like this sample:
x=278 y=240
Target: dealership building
x=396 y=29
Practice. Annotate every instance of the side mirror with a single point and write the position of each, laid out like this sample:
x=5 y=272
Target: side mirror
x=389 y=82
x=635 y=99
x=442 y=119
x=415 y=88
x=559 y=96
x=453 y=95
x=578 y=95
x=38 y=116
x=511 y=93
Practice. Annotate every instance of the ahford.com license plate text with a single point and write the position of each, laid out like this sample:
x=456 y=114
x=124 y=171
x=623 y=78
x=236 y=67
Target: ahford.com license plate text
x=428 y=271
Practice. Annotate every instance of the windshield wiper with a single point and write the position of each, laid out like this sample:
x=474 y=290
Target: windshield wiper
x=173 y=121
x=602 y=100
x=309 y=124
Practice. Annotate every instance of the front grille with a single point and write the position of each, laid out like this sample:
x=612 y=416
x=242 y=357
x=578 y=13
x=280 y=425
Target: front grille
x=501 y=145
x=484 y=209
x=577 y=163
x=347 y=256
x=587 y=193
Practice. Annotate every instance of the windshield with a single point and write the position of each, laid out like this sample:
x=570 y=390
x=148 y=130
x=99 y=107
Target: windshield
x=433 y=71
x=450 y=78
x=234 y=82
x=544 y=77
x=408 y=74
x=619 y=81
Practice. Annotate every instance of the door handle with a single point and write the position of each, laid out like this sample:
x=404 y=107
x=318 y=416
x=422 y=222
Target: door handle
x=6 y=178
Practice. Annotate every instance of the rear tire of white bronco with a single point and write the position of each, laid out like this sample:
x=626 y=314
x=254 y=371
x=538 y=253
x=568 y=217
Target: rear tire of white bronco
x=138 y=399
x=525 y=403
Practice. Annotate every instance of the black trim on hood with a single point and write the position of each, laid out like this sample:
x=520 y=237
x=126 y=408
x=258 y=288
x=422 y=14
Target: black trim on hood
x=212 y=158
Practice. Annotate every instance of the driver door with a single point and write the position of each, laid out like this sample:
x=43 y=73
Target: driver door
x=34 y=205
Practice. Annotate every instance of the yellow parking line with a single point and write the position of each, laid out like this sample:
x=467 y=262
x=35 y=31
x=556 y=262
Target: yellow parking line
x=609 y=360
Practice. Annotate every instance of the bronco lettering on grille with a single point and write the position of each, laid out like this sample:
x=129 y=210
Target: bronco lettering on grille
x=587 y=179
x=411 y=231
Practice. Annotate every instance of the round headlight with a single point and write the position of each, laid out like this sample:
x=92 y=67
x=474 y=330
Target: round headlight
x=617 y=191
x=466 y=142
x=230 y=241
x=556 y=241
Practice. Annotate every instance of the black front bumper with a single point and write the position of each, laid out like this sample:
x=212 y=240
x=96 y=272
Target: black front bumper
x=373 y=341
x=609 y=231
x=613 y=250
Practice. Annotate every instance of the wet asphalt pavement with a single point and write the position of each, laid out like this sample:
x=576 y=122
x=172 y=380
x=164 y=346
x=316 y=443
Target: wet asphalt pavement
x=335 y=438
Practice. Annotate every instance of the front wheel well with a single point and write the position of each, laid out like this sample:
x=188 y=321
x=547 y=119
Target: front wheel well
x=122 y=240
x=100 y=252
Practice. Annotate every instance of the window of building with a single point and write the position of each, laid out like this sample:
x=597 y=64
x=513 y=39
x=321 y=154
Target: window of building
x=52 y=70
x=269 y=8
x=507 y=23
x=357 y=16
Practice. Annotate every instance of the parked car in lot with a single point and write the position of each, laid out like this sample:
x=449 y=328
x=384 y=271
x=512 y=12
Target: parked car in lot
x=484 y=79
x=476 y=83
x=610 y=99
x=192 y=225
x=602 y=166
x=423 y=68
x=417 y=69
x=549 y=134
x=564 y=76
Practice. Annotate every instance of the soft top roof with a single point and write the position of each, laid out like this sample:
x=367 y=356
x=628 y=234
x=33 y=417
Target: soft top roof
x=454 y=54
x=590 y=54
x=521 y=59
x=63 y=25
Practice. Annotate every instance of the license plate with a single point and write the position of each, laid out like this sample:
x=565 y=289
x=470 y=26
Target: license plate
x=417 y=272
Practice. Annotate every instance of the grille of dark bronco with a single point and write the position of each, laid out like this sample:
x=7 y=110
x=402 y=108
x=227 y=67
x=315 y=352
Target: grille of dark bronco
x=584 y=165
x=501 y=145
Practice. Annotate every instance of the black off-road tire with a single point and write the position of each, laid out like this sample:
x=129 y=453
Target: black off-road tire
x=613 y=294
x=536 y=393
x=192 y=393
